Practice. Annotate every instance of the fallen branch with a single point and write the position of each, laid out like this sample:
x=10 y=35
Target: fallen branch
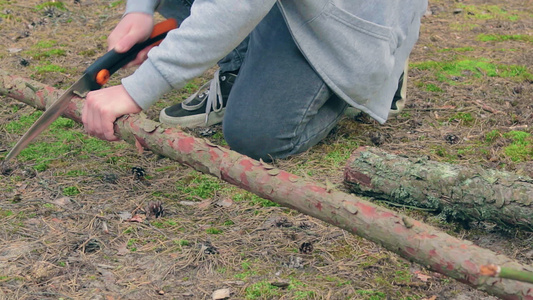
x=462 y=193
x=413 y=240
x=508 y=273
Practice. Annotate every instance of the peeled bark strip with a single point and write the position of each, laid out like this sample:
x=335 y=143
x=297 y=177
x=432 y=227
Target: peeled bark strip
x=409 y=238
x=464 y=193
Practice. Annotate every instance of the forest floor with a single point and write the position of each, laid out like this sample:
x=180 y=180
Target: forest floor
x=72 y=212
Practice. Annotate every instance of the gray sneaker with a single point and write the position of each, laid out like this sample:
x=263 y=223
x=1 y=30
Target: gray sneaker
x=205 y=107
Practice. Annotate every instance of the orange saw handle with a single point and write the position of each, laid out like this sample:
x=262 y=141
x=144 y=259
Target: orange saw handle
x=105 y=66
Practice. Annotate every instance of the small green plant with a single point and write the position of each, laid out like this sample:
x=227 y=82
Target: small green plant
x=48 y=205
x=253 y=199
x=131 y=245
x=371 y=295
x=443 y=152
x=129 y=230
x=492 y=136
x=402 y=276
x=164 y=224
x=213 y=230
x=463 y=118
x=246 y=265
x=430 y=87
x=262 y=290
x=5 y=213
x=190 y=87
x=182 y=243
x=71 y=191
x=76 y=173
x=303 y=295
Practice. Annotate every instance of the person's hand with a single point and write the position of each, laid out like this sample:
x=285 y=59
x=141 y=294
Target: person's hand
x=132 y=29
x=103 y=107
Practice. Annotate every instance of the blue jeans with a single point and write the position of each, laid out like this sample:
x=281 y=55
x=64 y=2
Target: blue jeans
x=278 y=105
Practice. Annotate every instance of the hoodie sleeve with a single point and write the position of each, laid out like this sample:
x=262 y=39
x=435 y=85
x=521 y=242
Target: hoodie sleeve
x=214 y=29
x=142 y=6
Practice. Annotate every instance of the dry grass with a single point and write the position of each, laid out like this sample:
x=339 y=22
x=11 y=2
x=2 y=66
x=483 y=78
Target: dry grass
x=66 y=215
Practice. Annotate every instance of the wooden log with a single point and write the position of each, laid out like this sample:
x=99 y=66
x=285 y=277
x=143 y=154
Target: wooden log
x=413 y=240
x=464 y=193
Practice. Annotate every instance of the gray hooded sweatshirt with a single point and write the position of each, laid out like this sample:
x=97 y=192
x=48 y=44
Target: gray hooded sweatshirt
x=358 y=47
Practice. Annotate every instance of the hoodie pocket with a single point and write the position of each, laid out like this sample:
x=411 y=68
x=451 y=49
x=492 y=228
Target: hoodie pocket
x=354 y=56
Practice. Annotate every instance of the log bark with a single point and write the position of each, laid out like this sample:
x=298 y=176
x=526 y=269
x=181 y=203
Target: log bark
x=457 y=192
x=413 y=240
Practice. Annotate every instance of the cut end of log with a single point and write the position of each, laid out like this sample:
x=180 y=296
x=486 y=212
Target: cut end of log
x=489 y=270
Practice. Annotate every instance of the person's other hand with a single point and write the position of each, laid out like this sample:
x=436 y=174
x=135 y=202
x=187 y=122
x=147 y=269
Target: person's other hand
x=132 y=29
x=103 y=107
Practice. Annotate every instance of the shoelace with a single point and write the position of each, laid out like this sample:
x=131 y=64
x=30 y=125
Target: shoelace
x=214 y=99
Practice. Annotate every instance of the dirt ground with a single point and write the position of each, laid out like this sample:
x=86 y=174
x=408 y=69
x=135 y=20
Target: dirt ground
x=73 y=210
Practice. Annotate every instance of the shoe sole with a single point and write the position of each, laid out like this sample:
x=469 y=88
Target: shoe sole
x=192 y=121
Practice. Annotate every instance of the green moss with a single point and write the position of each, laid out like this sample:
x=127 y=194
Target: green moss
x=46 y=54
x=521 y=148
x=116 y=3
x=45 y=44
x=473 y=68
x=460 y=49
x=23 y=123
x=504 y=37
x=48 y=67
x=56 y=4
x=338 y=153
x=487 y=12
x=60 y=140
x=463 y=26
x=198 y=185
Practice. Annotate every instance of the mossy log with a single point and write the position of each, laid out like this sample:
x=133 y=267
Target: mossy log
x=465 y=193
x=413 y=240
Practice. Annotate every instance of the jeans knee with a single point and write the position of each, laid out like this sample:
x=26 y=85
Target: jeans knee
x=254 y=142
